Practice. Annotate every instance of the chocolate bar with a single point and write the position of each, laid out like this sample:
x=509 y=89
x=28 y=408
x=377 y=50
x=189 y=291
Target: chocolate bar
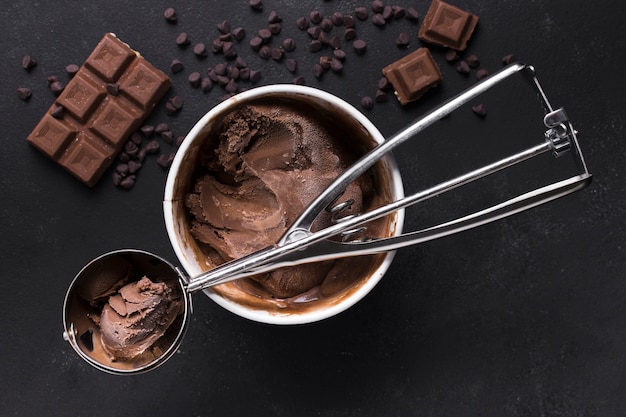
x=413 y=75
x=447 y=25
x=109 y=97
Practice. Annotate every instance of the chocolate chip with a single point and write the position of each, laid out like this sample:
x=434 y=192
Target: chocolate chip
x=291 y=64
x=87 y=339
x=229 y=50
x=463 y=67
x=403 y=40
x=480 y=110
x=165 y=160
x=123 y=157
x=326 y=25
x=206 y=84
x=381 y=96
x=52 y=78
x=131 y=148
x=167 y=136
x=509 y=59
x=361 y=13
x=117 y=178
x=299 y=80
x=256 y=43
x=473 y=61
x=136 y=138
x=348 y=21
x=318 y=71
x=57 y=111
x=273 y=17
x=161 y=127
x=481 y=73
x=359 y=46
x=133 y=166
x=28 y=62
x=316 y=17
x=336 y=65
x=314 y=32
x=239 y=33
x=147 y=130
x=57 y=87
x=302 y=23
x=256 y=4
x=325 y=62
x=255 y=76
x=265 y=52
x=127 y=182
x=378 y=19
x=337 y=18
x=349 y=34
x=240 y=62
x=398 y=12
x=315 y=45
x=179 y=141
x=24 y=93
x=194 y=79
x=233 y=72
x=377 y=6
x=170 y=15
x=244 y=74
x=176 y=66
x=223 y=26
x=222 y=80
x=226 y=37
x=265 y=34
x=231 y=86
x=451 y=55
x=384 y=84
x=71 y=69
x=412 y=14
x=289 y=44
x=275 y=28
x=174 y=105
x=113 y=89
x=199 y=50
x=339 y=54
x=182 y=39
x=387 y=13
x=152 y=147
x=367 y=102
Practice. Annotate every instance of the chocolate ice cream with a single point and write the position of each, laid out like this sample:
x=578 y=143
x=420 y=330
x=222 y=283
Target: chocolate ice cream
x=267 y=162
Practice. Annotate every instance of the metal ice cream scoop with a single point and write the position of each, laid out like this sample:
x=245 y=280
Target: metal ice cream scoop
x=300 y=245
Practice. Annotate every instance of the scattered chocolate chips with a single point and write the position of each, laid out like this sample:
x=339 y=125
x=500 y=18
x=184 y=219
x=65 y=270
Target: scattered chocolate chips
x=165 y=160
x=289 y=45
x=57 y=111
x=170 y=15
x=291 y=64
x=463 y=67
x=174 y=105
x=473 y=61
x=57 y=87
x=381 y=96
x=273 y=17
x=359 y=46
x=28 y=62
x=480 y=110
x=256 y=4
x=24 y=93
x=194 y=79
x=509 y=59
x=71 y=69
x=377 y=6
x=451 y=55
x=127 y=182
x=224 y=26
x=367 y=102
x=182 y=39
x=403 y=40
x=361 y=13
x=412 y=14
x=200 y=50
x=316 y=17
x=481 y=73
x=299 y=80
x=239 y=33
x=378 y=19
x=176 y=66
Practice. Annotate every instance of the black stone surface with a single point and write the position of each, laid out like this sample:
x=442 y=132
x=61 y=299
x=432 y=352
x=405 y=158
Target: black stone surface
x=523 y=317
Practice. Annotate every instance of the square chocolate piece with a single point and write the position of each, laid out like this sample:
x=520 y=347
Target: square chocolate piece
x=413 y=75
x=96 y=124
x=448 y=26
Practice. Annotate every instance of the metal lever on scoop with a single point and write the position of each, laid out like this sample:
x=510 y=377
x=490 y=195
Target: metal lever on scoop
x=300 y=245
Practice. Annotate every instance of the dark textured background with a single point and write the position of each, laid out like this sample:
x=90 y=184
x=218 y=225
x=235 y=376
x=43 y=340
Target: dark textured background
x=526 y=316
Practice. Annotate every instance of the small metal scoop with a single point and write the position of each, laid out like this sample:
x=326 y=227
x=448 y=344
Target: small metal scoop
x=300 y=245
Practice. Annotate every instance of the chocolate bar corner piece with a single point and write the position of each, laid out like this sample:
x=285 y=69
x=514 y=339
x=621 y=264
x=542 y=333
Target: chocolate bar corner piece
x=95 y=124
x=448 y=26
x=413 y=75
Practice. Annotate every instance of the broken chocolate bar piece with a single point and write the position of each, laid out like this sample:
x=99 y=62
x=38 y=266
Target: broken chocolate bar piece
x=448 y=26
x=413 y=75
x=96 y=124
